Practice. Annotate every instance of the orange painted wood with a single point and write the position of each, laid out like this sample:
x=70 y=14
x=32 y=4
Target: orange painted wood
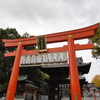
x=84 y=46
x=31 y=52
x=14 y=75
x=73 y=70
x=92 y=27
x=57 y=37
x=51 y=50
x=61 y=38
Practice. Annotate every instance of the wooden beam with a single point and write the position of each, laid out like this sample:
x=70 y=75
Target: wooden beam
x=51 y=50
x=55 y=37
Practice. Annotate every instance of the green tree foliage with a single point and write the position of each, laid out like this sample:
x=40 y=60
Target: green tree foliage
x=96 y=41
x=96 y=80
x=32 y=47
x=25 y=35
x=37 y=77
x=6 y=62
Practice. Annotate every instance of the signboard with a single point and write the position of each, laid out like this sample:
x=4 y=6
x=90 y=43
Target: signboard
x=41 y=43
x=44 y=59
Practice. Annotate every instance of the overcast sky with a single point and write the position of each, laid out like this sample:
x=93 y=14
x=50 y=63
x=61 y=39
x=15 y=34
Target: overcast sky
x=39 y=17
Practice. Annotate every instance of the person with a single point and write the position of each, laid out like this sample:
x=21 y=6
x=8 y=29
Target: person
x=3 y=98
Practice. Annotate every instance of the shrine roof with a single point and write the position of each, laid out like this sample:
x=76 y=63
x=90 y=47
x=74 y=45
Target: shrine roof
x=30 y=85
x=49 y=69
x=22 y=77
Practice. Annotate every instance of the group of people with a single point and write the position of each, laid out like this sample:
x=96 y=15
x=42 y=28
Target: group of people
x=91 y=93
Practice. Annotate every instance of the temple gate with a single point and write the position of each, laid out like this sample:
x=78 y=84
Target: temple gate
x=69 y=36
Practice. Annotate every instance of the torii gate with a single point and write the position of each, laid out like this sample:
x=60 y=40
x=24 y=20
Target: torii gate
x=69 y=36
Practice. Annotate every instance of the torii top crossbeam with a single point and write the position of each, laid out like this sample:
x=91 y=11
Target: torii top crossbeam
x=69 y=36
x=55 y=37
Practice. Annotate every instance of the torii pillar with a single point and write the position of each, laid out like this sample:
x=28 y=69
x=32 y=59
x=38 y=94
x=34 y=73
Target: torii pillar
x=14 y=75
x=73 y=70
x=69 y=36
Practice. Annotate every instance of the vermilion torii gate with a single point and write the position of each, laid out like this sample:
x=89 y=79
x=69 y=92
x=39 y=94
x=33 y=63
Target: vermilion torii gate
x=69 y=36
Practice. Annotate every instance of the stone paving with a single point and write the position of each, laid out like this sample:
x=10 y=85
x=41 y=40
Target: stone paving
x=91 y=99
x=82 y=99
x=66 y=99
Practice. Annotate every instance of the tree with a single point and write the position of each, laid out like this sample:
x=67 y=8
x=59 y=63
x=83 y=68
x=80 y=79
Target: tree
x=96 y=41
x=36 y=76
x=32 y=47
x=96 y=80
x=25 y=35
